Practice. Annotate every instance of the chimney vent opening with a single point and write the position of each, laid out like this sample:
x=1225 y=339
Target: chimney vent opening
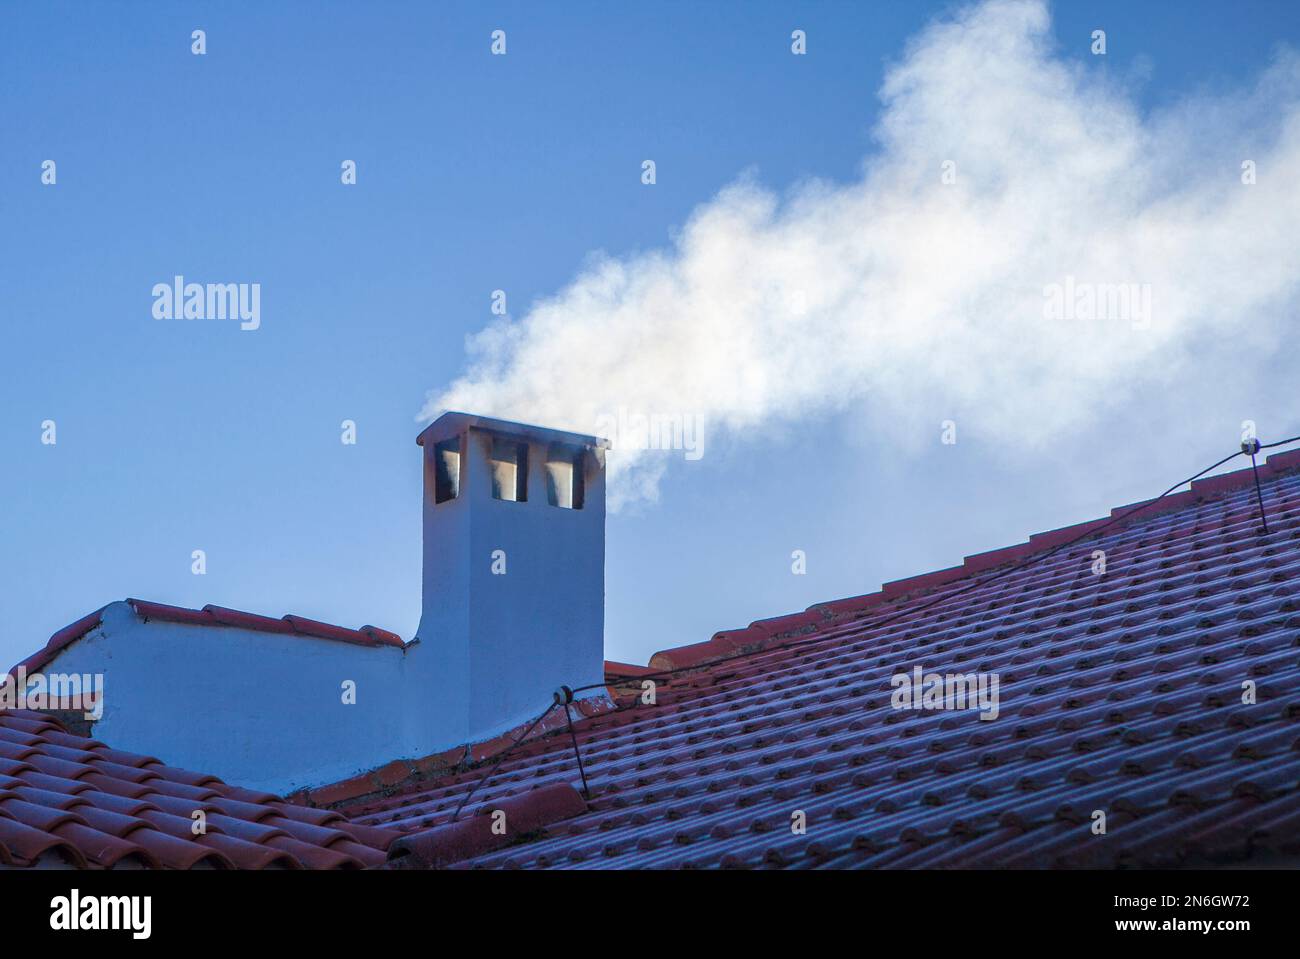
x=446 y=457
x=564 y=486
x=509 y=470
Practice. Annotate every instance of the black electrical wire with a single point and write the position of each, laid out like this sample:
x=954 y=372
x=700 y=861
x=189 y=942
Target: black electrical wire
x=501 y=756
x=1259 y=494
x=586 y=793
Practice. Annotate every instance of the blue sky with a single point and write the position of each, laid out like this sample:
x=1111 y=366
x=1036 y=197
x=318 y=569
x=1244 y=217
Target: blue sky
x=478 y=173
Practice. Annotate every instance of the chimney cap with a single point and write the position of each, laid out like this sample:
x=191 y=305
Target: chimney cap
x=453 y=424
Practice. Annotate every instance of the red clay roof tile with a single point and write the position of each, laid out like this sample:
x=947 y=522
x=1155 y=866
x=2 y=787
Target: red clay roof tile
x=616 y=670
x=116 y=809
x=250 y=855
x=24 y=845
x=178 y=853
x=243 y=620
x=490 y=827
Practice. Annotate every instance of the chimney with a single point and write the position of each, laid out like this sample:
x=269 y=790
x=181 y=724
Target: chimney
x=514 y=571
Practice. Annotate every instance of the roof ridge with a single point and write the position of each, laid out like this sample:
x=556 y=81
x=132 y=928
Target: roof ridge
x=211 y=615
x=761 y=634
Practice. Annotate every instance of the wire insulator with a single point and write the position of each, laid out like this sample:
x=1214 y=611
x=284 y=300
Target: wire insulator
x=563 y=696
x=1250 y=447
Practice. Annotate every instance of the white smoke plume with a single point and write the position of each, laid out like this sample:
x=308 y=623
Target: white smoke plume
x=876 y=296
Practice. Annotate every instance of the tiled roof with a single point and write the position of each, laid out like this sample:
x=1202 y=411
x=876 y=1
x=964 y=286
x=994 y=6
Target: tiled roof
x=68 y=800
x=213 y=616
x=1120 y=692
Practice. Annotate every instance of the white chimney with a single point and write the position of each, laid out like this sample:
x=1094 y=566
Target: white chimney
x=514 y=571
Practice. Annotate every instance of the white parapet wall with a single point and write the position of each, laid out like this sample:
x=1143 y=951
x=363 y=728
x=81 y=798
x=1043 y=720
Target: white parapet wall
x=258 y=709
